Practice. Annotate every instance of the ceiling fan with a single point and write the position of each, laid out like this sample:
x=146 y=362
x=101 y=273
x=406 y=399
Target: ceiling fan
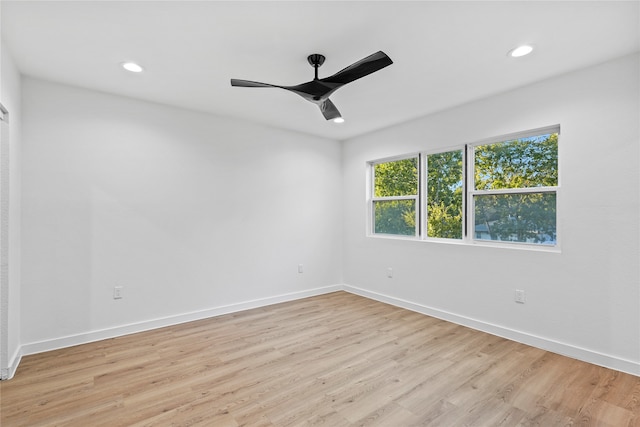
x=319 y=90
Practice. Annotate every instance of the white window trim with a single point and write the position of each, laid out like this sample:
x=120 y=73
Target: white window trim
x=468 y=207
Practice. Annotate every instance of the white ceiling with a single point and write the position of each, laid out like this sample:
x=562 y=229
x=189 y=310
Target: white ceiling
x=445 y=53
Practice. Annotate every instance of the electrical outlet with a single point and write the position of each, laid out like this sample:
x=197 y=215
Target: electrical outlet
x=117 y=292
x=389 y=272
x=519 y=296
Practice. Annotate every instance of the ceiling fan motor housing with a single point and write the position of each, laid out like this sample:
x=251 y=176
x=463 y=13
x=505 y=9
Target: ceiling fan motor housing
x=316 y=60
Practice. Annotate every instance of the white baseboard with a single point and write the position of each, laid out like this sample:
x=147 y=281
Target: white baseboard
x=608 y=361
x=10 y=371
x=97 y=335
x=590 y=356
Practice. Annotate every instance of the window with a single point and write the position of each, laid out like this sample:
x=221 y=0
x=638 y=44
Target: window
x=514 y=190
x=445 y=194
x=395 y=197
x=503 y=190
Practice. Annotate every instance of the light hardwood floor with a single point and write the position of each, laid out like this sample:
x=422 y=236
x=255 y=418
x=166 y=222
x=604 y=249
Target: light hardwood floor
x=333 y=360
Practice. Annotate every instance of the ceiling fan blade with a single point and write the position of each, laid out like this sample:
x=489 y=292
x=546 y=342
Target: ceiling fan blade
x=311 y=91
x=329 y=110
x=249 y=83
x=364 y=67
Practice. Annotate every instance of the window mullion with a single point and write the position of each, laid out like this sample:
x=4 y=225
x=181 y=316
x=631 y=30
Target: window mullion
x=465 y=192
x=469 y=179
x=422 y=199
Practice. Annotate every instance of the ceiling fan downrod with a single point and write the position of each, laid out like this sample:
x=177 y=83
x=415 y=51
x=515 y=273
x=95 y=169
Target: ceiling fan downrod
x=316 y=60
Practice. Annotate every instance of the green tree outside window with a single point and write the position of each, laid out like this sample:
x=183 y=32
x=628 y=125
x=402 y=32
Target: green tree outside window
x=393 y=181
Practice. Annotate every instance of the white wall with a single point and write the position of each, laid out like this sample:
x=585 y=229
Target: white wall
x=192 y=214
x=10 y=96
x=584 y=301
x=196 y=215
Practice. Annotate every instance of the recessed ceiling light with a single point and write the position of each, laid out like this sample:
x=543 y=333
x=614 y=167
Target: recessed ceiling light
x=132 y=66
x=520 y=51
x=338 y=120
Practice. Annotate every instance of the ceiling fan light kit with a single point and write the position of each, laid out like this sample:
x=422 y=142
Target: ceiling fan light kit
x=318 y=90
x=520 y=51
x=132 y=67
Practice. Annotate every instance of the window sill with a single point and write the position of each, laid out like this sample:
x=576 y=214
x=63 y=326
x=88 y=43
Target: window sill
x=472 y=243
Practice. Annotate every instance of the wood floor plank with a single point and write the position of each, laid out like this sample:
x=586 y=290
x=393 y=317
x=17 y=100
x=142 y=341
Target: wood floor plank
x=335 y=360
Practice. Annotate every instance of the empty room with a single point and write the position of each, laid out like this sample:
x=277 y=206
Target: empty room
x=340 y=213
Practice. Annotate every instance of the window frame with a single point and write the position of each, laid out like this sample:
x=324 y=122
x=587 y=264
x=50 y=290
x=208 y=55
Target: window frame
x=372 y=199
x=425 y=200
x=469 y=194
x=472 y=192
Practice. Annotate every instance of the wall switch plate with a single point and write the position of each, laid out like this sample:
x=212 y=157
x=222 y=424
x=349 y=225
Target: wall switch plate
x=519 y=296
x=300 y=268
x=389 y=272
x=117 y=292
